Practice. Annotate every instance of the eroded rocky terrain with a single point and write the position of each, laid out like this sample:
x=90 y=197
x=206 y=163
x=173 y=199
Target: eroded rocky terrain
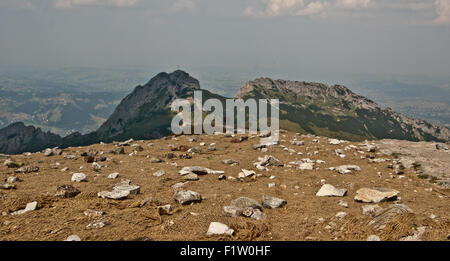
x=223 y=187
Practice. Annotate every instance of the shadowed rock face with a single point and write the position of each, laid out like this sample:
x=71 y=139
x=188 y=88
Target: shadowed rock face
x=17 y=138
x=335 y=111
x=148 y=100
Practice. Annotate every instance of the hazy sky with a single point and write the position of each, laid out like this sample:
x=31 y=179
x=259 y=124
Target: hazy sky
x=340 y=36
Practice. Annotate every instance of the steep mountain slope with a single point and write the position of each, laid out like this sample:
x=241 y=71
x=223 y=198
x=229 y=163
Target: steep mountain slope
x=17 y=138
x=335 y=111
x=332 y=111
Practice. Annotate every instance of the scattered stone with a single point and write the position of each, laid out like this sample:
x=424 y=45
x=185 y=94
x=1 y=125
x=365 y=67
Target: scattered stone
x=93 y=213
x=165 y=210
x=328 y=190
x=418 y=232
x=222 y=177
x=341 y=214
x=98 y=224
x=216 y=228
x=239 y=139
x=12 y=179
x=334 y=141
x=305 y=166
x=273 y=202
x=66 y=191
x=11 y=164
x=230 y=211
x=373 y=238
x=371 y=210
x=8 y=186
x=230 y=162
x=297 y=143
x=156 y=160
x=159 y=173
x=73 y=238
x=191 y=177
x=258 y=214
x=246 y=173
x=187 y=196
x=343 y=203
x=199 y=171
x=114 y=175
x=96 y=166
x=115 y=194
x=375 y=195
x=178 y=185
x=347 y=169
x=244 y=202
x=27 y=169
x=30 y=207
x=78 y=177
x=132 y=189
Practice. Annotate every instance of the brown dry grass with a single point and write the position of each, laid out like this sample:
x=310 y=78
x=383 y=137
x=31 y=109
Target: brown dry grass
x=58 y=218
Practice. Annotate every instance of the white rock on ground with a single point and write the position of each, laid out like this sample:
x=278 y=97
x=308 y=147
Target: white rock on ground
x=373 y=238
x=187 y=196
x=375 y=195
x=159 y=173
x=273 y=202
x=328 y=190
x=73 y=238
x=217 y=228
x=29 y=207
x=78 y=177
x=115 y=194
x=113 y=175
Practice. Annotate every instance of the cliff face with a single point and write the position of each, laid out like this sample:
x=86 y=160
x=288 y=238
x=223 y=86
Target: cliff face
x=17 y=138
x=146 y=112
x=336 y=111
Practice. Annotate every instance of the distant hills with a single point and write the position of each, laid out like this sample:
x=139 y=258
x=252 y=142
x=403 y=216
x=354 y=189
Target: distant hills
x=332 y=111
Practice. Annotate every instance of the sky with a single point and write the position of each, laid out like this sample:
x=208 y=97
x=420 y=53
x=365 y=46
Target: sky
x=405 y=37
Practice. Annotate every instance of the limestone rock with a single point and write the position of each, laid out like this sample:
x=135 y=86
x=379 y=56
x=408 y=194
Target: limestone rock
x=78 y=177
x=187 y=196
x=216 y=228
x=375 y=195
x=273 y=202
x=328 y=190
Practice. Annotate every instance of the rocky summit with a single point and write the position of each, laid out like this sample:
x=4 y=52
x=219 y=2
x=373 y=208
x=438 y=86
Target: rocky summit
x=307 y=108
x=262 y=194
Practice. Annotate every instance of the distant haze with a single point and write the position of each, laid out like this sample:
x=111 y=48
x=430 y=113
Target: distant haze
x=314 y=37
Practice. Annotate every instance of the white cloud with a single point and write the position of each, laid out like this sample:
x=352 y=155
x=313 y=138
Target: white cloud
x=442 y=11
x=181 y=5
x=72 y=3
x=304 y=7
x=352 y=4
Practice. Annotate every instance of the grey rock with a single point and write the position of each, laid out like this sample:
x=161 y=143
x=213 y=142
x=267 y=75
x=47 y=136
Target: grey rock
x=78 y=177
x=328 y=190
x=230 y=211
x=115 y=194
x=66 y=191
x=273 y=202
x=371 y=210
x=113 y=175
x=373 y=238
x=375 y=195
x=132 y=189
x=73 y=238
x=216 y=228
x=187 y=196
x=93 y=213
x=98 y=224
x=159 y=173
x=191 y=177
x=27 y=169
x=245 y=202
